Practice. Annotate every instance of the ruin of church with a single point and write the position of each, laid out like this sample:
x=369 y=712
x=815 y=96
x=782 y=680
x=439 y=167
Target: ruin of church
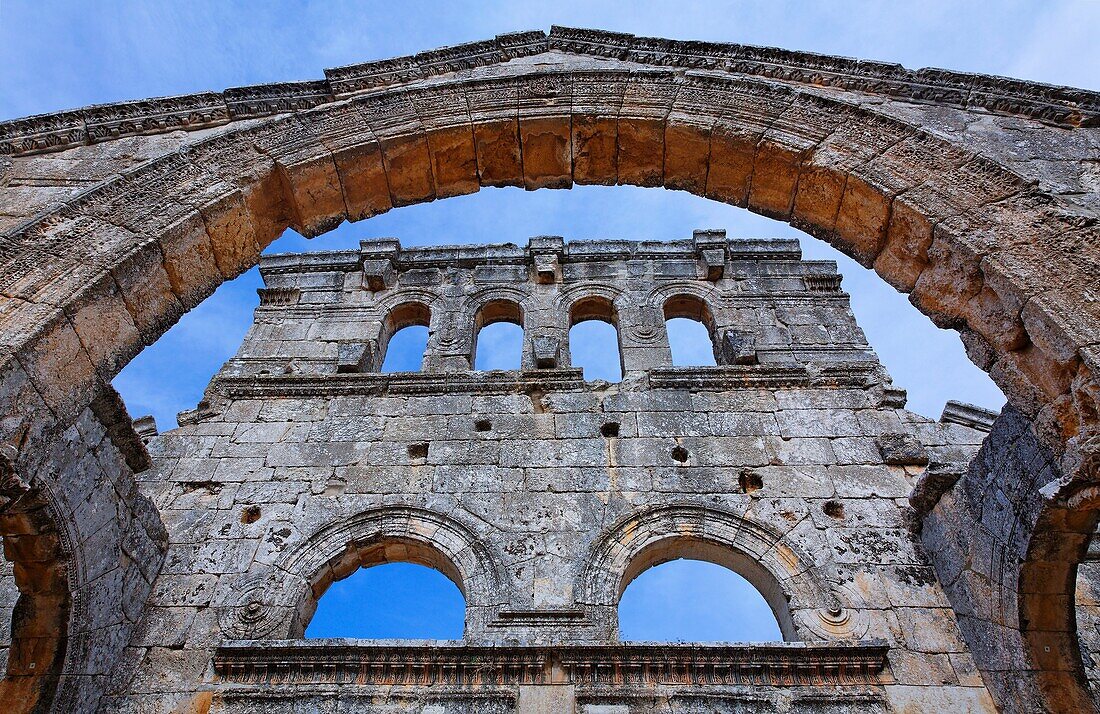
x=913 y=565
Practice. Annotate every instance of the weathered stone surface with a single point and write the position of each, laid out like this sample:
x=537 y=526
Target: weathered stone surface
x=536 y=491
x=972 y=192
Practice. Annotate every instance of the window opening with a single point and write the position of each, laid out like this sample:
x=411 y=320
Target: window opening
x=695 y=601
x=594 y=339
x=391 y=601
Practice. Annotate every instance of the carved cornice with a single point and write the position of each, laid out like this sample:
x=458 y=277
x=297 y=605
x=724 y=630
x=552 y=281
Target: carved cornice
x=278 y=297
x=399 y=70
x=786 y=251
x=1043 y=102
x=337 y=662
x=858 y=375
x=968 y=415
x=1064 y=106
x=848 y=375
x=377 y=384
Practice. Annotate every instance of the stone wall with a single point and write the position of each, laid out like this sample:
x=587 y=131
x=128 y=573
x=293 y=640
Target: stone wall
x=85 y=554
x=977 y=195
x=543 y=495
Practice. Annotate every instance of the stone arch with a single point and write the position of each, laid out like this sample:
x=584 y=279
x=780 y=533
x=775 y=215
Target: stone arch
x=805 y=607
x=279 y=602
x=975 y=236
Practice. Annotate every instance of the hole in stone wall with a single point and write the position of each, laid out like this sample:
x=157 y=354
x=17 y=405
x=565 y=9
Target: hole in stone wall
x=538 y=401
x=499 y=346
x=418 y=451
x=250 y=514
x=834 y=509
x=695 y=601
x=690 y=343
x=750 y=481
x=391 y=600
x=679 y=454
x=610 y=429
x=483 y=425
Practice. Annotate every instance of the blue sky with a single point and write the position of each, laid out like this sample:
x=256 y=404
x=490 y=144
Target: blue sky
x=57 y=55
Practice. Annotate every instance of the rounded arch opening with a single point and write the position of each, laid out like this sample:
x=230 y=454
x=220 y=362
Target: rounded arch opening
x=376 y=556
x=35 y=603
x=403 y=342
x=500 y=346
x=595 y=342
x=698 y=549
x=908 y=181
x=689 y=324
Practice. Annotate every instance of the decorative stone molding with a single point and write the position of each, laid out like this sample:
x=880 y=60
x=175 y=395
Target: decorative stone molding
x=968 y=415
x=300 y=385
x=339 y=662
x=1057 y=105
x=757 y=376
x=275 y=601
x=805 y=605
x=278 y=297
x=539 y=618
x=1063 y=106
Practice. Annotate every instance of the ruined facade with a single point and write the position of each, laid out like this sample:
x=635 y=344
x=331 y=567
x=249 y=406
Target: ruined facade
x=542 y=495
x=143 y=573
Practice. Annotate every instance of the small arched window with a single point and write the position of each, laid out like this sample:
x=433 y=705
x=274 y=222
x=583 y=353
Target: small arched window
x=395 y=589
x=693 y=590
x=690 y=327
x=404 y=338
x=594 y=339
x=695 y=601
x=391 y=601
x=498 y=342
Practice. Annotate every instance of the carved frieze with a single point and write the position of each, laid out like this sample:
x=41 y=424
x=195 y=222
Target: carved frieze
x=336 y=662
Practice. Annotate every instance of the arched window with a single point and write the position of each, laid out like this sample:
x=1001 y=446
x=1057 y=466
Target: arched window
x=404 y=338
x=690 y=328
x=594 y=339
x=392 y=589
x=690 y=589
x=391 y=601
x=499 y=336
x=695 y=601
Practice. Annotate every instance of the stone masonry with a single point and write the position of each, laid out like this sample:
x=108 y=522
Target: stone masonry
x=978 y=196
x=542 y=495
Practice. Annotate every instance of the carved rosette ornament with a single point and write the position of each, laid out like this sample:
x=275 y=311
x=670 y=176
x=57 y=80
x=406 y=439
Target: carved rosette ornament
x=263 y=607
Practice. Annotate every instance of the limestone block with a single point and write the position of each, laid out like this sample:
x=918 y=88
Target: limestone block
x=901 y=450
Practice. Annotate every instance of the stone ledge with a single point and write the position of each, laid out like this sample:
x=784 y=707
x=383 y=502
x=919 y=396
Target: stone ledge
x=849 y=375
x=750 y=250
x=1002 y=95
x=856 y=375
x=968 y=415
x=377 y=384
x=388 y=663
